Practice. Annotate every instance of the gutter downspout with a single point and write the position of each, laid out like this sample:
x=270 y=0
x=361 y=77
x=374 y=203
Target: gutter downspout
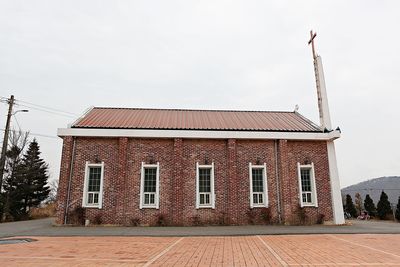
x=278 y=193
x=69 y=181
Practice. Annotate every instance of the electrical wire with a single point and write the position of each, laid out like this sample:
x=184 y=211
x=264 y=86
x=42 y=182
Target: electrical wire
x=48 y=108
x=48 y=111
x=35 y=134
x=42 y=108
x=15 y=118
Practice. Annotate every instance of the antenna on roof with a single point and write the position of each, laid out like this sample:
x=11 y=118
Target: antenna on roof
x=296 y=108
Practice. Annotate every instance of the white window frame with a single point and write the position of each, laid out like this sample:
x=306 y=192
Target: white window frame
x=265 y=185
x=313 y=186
x=156 y=204
x=85 y=203
x=212 y=194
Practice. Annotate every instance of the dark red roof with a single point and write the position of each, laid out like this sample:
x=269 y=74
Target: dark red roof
x=181 y=119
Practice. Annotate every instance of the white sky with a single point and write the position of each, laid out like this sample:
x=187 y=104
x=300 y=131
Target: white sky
x=248 y=55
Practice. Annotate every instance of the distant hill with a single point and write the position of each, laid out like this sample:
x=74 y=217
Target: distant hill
x=374 y=187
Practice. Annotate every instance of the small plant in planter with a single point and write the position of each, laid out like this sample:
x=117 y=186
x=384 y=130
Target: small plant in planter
x=97 y=220
x=134 y=221
x=161 y=221
x=222 y=219
x=251 y=216
x=77 y=216
x=320 y=218
x=301 y=212
x=196 y=220
x=266 y=215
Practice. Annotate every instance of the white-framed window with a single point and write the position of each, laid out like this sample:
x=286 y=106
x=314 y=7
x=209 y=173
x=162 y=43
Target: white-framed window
x=93 y=185
x=307 y=187
x=205 y=197
x=149 y=186
x=258 y=185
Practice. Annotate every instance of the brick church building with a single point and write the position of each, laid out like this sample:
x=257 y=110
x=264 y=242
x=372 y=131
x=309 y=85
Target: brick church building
x=186 y=167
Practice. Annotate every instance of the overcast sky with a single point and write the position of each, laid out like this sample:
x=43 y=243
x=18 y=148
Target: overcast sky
x=244 y=55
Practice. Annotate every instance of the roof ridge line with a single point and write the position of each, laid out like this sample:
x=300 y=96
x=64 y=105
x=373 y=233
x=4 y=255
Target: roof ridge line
x=200 y=110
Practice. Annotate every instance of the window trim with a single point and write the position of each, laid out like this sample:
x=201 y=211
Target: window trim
x=212 y=193
x=313 y=185
x=85 y=204
x=156 y=204
x=265 y=185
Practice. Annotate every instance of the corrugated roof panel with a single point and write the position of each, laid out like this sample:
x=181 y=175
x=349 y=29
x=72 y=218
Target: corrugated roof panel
x=135 y=118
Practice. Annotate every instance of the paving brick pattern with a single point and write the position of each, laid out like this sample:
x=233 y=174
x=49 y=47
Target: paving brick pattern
x=287 y=250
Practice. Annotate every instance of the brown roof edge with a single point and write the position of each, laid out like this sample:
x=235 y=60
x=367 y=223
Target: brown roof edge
x=307 y=120
x=205 y=110
x=86 y=112
x=195 y=119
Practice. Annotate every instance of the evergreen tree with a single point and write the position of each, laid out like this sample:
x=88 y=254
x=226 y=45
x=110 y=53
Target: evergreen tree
x=349 y=207
x=10 y=202
x=33 y=173
x=27 y=187
x=383 y=208
x=369 y=205
x=397 y=214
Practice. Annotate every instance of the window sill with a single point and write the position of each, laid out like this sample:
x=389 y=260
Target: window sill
x=205 y=207
x=259 y=206
x=149 y=207
x=91 y=207
x=310 y=205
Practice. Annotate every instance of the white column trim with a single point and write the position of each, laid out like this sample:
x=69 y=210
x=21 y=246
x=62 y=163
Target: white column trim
x=86 y=185
x=337 y=206
x=314 y=184
x=212 y=184
x=141 y=186
x=206 y=134
x=158 y=186
x=101 y=185
x=251 y=185
x=197 y=186
x=300 y=194
x=265 y=184
x=157 y=195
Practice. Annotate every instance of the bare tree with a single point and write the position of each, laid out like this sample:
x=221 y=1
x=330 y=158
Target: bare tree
x=18 y=139
x=53 y=191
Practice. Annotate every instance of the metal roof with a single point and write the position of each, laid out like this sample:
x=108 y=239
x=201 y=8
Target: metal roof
x=184 y=119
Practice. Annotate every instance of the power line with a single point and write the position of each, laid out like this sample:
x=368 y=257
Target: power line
x=42 y=108
x=15 y=118
x=49 y=108
x=48 y=111
x=35 y=134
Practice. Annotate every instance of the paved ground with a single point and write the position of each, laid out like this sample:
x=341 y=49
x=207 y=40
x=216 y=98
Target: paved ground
x=259 y=250
x=44 y=228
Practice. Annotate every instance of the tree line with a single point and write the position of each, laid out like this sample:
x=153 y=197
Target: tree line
x=382 y=211
x=25 y=179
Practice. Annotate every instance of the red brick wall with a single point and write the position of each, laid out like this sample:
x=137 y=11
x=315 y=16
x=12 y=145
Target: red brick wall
x=315 y=152
x=177 y=158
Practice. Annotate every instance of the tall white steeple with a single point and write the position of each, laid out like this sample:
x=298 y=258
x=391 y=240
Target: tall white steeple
x=325 y=123
x=324 y=115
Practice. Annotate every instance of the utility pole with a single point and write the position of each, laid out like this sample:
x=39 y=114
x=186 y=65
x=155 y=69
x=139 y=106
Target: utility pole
x=5 y=140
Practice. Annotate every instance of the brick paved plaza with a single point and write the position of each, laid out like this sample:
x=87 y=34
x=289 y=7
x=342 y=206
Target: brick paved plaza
x=267 y=250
